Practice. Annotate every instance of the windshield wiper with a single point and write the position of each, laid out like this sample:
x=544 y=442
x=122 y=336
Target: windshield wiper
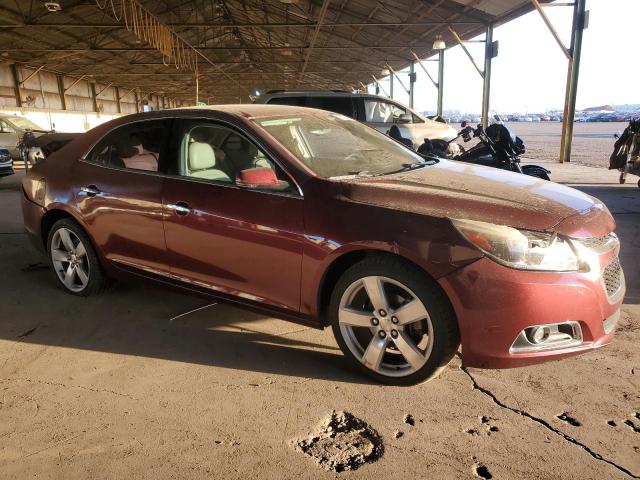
x=412 y=166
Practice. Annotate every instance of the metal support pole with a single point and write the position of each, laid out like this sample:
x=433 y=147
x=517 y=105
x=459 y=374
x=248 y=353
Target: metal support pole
x=94 y=97
x=573 y=73
x=391 y=85
x=440 y=80
x=411 y=83
x=118 y=104
x=63 y=98
x=16 y=84
x=486 y=86
x=135 y=94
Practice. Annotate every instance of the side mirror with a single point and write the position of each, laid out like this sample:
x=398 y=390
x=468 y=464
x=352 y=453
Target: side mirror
x=616 y=136
x=261 y=178
x=405 y=118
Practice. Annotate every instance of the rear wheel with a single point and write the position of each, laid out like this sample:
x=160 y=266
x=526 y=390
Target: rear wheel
x=393 y=322
x=73 y=259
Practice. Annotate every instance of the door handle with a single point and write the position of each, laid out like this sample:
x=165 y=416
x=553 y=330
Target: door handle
x=91 y=190
x=181 y=208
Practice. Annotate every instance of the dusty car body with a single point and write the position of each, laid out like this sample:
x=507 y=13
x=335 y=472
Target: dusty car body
x=404 y=265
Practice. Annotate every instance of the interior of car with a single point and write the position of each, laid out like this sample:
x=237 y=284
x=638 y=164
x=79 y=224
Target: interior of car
x=218 y=153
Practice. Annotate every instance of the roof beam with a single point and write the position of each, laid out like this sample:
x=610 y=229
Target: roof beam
x=314 y=37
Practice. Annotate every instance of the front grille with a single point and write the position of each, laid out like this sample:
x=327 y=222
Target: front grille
x=612 y=276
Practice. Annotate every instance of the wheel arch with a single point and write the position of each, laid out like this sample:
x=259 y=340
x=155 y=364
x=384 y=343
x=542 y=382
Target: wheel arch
x=56 y=213
x=342 y=262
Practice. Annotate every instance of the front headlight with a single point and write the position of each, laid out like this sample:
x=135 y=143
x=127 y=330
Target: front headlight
x=521 y=249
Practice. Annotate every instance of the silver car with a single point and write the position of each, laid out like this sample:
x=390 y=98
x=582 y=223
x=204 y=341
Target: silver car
x=378 y=112
x=12 y=129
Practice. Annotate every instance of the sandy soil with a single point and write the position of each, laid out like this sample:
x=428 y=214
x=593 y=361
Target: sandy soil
x=592 y=142
x=116 y=386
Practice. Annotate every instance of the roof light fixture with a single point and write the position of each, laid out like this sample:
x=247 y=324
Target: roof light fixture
x=438 y=43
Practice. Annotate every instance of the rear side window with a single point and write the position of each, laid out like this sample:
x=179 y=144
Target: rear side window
x=291 y=101
x=137 y=146
x=341 y=105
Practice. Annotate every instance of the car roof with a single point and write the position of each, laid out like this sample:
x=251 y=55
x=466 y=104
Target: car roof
x=249 y=110
x=319 y=93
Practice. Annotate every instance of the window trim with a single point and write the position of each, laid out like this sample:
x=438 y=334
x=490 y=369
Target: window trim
x=232 y=184
x=161 y=155
x=174 y=117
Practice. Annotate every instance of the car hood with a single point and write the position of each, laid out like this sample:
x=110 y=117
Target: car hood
x=461 y=190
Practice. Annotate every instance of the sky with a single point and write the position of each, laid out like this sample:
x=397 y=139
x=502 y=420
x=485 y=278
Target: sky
x=529 y=74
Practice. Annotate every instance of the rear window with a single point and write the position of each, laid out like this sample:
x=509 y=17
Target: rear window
x=292 y=101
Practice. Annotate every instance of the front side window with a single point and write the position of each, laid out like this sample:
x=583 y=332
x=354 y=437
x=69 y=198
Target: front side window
x=5 y=127
x=333 y=145
x=379 y=111
x=137 y=146
x=25 y=123
x=211 y=151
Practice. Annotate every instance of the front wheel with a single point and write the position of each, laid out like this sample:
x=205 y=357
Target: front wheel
x=393 y=322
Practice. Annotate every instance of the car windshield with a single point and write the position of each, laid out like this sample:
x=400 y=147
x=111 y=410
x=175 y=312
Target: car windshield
x=333 y=145
x=24 y=123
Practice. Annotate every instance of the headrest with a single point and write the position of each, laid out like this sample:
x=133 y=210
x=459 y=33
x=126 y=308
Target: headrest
x=235 y=142
x=201 y=156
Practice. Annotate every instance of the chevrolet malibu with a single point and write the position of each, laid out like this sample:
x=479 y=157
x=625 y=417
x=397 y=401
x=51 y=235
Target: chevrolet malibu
x=310 y=216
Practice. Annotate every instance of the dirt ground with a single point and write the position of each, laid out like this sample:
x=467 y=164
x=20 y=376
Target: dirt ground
x=592 y=145
x=122 y=386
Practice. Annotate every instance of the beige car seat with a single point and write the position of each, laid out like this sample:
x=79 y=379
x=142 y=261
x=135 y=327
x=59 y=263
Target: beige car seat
x=202 y=163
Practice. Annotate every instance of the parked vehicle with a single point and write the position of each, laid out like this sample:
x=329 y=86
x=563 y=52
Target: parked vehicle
x=12 y=130
x=626 y=152
x=6 y=163
x=36 y=147
x=498 y=147
x=314 y=217
x=378 y=112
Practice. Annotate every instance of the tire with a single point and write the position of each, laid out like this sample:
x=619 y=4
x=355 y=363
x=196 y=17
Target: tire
x=75 y=265
x=430 y=339
x=543 y=176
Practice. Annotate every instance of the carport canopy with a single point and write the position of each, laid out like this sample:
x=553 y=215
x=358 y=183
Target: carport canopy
x=242 y=45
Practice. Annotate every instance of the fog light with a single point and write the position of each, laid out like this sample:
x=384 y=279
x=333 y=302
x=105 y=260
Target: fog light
x=547 y=337
x=538 y=334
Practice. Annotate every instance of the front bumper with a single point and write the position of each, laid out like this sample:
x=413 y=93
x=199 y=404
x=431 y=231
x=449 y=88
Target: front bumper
x=494 y=304
x=6 y=169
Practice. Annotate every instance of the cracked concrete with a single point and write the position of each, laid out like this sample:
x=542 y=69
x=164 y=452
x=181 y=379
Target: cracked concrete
x=109 y=387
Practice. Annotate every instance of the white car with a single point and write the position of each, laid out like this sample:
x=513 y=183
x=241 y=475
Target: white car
x=378 y=112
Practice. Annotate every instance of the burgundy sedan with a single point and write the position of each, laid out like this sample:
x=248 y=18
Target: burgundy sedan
x=313 y=217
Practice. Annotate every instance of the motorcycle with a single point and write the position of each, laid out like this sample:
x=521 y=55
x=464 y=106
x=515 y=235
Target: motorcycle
x=626 y=152
x=498 y=147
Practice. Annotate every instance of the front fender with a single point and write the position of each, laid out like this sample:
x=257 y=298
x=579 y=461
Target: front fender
x=535 y=170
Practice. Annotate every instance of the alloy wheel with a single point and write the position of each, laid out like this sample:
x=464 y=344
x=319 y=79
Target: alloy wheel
x=69 y=258
x=386 y=326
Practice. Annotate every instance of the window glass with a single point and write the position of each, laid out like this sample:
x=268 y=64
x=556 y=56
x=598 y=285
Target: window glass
x=379 y=111
x=341 y=105
x=333 y=145
x=293 y=101
x=5 y=127
x=210 y=151
x=136 y=146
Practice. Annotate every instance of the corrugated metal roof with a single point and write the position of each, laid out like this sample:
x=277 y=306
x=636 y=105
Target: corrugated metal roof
x=249 y=43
